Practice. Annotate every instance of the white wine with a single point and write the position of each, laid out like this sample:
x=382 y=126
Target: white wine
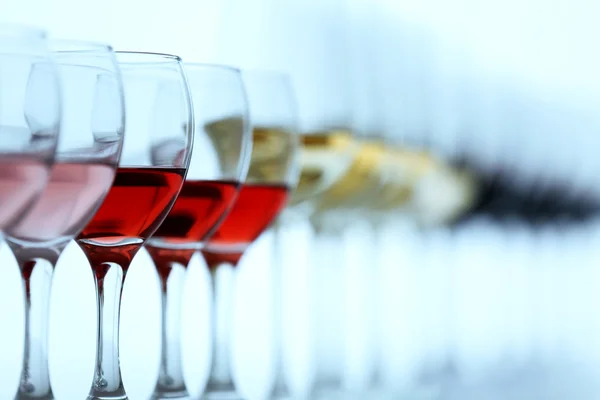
x=460 y=189
x=385 y=179
x=401 y=170
x=226 y=137
x=423 y=185
x=361 y=182
x=324 y=159
x=441 y=193
x=341 y=172
x=273 y=156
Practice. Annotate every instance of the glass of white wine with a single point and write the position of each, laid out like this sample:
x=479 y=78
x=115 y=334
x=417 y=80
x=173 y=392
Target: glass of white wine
x=318 y=69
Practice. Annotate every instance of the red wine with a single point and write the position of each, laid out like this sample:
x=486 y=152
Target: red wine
x=137 y=203
x=198 y=210
x=21 y=180
x=73 y=193
x=256 y=207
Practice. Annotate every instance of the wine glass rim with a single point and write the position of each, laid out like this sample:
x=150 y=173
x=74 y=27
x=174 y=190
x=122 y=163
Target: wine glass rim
x=147 y=57
x=24 y=31
x=79 y=46
x=212 y=66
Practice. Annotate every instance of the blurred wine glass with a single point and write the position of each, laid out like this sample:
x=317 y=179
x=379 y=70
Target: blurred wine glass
x=469 y=139
x=272 y=174
x=316 y=62
x=219 y=164
x=30 y=116
x=86 y=158
x=420 y=185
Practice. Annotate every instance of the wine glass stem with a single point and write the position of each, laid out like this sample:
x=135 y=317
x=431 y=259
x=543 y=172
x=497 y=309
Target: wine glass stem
x=107 y=382
x=329 y=310
x=279 y=389
x=222 y=281
x=375 y=305
x=35 y=377
x=170 y=382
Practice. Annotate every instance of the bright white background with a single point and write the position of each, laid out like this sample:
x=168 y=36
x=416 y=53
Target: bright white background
x=550 y=45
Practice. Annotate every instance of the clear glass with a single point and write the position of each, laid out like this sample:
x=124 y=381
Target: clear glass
x=219 y=164
x=273 y=172
x=324 y=75
x=155 y=158
x=318 y=65
x=91 y=138
x=30 y=116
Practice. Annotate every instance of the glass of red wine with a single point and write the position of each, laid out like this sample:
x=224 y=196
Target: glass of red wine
x=30 y=113
x=272 y=173
x=220 y=158
x=88 y=152
x=155 y=157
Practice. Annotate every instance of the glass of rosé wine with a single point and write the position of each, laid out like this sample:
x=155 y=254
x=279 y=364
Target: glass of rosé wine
x=91 y=138
x=30 y=116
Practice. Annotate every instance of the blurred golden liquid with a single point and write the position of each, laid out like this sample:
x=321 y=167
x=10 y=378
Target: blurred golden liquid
x=226 y=136
x=324 y=159
x=382 y=178
x=341 y=172
x=360 y=184
x=274 y=157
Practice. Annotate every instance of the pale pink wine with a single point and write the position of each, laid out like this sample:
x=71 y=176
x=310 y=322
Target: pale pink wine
x=69 y=201
x=22 y=178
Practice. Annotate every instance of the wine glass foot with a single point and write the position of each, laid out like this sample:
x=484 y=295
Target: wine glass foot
x=181 y=394
x=221 y=395
x=280 y=392
x=327 y=393
x=220 y=390
x=118 y=395
x=27 y=396
x=280 y=396
x=30 y=391
x=424 y=392
x=380 y=394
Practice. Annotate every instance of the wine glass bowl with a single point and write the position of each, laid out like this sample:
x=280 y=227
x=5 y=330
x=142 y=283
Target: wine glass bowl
x=325 y=157
x=30 y=117
x=413 y=180
x=359 y=184
x=219 y=162
x=156 y=152
x=89 y=149
x=274 y=164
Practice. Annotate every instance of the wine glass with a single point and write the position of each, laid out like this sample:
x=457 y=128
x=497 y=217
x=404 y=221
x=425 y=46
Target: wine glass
x=272 y=174
x=30 y=113
x=156 y=155
x=318 y=67
x=86 y=158
x=219 y=164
